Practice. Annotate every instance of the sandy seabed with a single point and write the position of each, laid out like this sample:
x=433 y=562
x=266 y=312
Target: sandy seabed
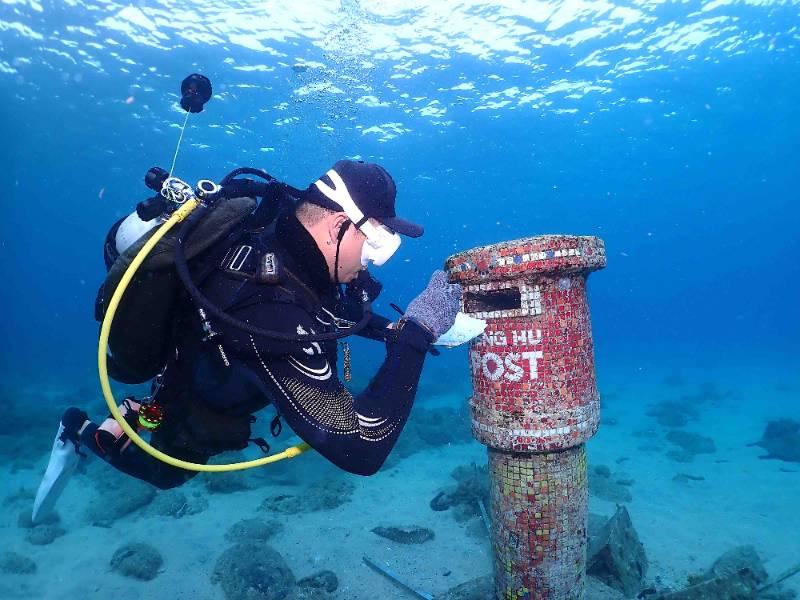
x=684 y=526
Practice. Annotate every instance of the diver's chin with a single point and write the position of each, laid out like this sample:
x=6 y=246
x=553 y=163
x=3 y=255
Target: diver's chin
x=347 y=278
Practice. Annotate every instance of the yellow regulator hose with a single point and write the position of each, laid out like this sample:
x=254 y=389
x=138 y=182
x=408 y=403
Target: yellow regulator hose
x=102 y=364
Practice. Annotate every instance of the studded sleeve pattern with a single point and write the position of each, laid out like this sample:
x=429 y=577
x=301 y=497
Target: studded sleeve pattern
x=356 y=433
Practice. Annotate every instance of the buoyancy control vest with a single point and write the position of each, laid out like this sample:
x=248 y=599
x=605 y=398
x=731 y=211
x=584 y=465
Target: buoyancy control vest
x=142 y=336
x=141 y=340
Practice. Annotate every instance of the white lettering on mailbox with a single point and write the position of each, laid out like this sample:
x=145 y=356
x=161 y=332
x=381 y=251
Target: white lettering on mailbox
x=512 y=367
x=519 y=337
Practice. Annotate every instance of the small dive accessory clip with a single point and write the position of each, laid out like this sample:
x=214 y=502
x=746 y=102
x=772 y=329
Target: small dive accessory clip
x=173 y=193
x=178 y=192
x=151 y=416
x=207 y=191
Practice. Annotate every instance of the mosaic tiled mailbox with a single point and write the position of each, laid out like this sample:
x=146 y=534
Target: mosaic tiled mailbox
x=534 y=404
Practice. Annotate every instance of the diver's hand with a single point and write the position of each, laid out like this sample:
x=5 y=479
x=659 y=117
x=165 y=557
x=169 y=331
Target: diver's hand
x=436 y=307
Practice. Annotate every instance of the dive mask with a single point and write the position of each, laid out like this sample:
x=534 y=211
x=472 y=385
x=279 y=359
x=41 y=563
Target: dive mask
x=380 y=245
x=381 y=242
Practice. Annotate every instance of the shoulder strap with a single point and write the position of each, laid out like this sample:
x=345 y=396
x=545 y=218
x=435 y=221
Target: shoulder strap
x=241 y=261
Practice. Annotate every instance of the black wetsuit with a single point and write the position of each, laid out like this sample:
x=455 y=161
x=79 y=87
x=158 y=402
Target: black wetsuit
x=213 y=387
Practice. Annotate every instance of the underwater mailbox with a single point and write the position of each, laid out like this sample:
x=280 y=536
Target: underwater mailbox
x=534 y=404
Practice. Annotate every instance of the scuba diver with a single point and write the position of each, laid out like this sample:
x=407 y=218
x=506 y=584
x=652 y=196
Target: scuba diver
x=217 y=375
x=243 y=308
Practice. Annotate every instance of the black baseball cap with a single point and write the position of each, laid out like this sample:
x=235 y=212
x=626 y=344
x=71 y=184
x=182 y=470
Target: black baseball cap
x=373 y=191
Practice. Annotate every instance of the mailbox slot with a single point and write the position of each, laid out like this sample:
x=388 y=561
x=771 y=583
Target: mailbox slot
x=486 y=301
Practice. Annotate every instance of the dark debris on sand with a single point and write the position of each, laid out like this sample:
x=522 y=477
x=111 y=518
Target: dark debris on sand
x=409 y=534
x=738 y=574
x=12 y=563
x=138 y=561
x=326 y=494
x=175 y=503
x=118 y=496
x=781 y=440
x=325 y=581
x=689 y=445
x=672 y=413
x=259 y=530
x=607 y=486
x=464 y=497
x=254 y=571
x=43 y=533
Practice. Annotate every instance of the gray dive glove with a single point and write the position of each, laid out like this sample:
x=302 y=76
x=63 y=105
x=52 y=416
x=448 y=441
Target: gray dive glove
x=436 y=307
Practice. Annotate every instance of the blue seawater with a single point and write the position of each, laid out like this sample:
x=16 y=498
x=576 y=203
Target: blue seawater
x=669 y=129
